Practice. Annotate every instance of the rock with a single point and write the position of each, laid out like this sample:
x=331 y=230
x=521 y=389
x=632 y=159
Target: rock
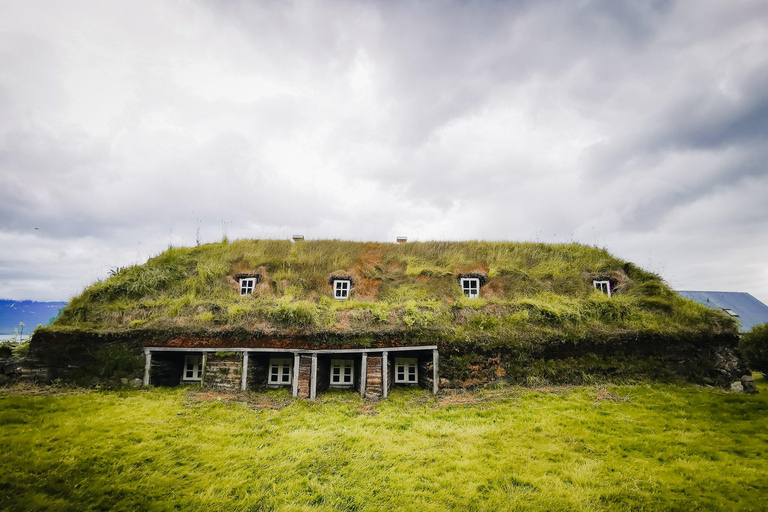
x=136 y=383
x=124 y=381
x=3 y=378
x=748 y=384
x=736 y=387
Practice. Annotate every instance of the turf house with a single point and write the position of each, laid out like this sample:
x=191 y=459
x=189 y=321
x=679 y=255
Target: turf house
x=313 y=315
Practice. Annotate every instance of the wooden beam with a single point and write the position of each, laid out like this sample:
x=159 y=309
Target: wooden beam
x=363 y=374
x=384 y=376
x=244 y=376
x=296 y=363
x=147 y=366
x=205 y=363
x=435 y=372
x=313 y=378
x=291 y=350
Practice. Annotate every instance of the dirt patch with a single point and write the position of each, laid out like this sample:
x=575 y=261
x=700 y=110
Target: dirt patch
x=32 y=389
x=254 y=401
x=604 y=394
x=368 y=409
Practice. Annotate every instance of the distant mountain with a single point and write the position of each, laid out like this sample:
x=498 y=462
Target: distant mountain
x=28 y=311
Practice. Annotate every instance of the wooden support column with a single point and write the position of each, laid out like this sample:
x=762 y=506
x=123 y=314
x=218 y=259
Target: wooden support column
x=244 y=376
x=313 y=378
x=435 y=372
x=295 y=387
x=384 y=375
x=363 y=374
x=147 y=366
x=205 y=363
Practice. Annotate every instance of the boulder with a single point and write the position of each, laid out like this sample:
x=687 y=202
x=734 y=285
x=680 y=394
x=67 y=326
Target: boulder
x=748 y=384
x=736 y=387
x=3 y=378
x=124 y=381
x=136 y=383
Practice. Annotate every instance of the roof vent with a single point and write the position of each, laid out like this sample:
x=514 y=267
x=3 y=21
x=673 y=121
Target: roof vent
x=402 y=239
x=298 y=238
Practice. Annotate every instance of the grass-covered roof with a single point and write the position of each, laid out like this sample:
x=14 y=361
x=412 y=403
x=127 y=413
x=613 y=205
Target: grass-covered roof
x=532 y=292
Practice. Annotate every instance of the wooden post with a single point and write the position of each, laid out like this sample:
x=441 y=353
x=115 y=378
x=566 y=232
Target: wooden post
x=296 y=362
x=363 y=374
x=147 y=366
x=435 y=373
x=205 y=363
x=384 y=375
x=313 y=378
x=244 y=376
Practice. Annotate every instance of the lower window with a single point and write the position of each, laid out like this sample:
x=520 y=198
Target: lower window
x=193 y=368
x=280 y=371
x=342 y=372
x=406 y=370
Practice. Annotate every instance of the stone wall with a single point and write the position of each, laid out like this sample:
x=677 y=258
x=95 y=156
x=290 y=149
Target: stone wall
x=305 y=376
x=373 y=377
x=223 y=371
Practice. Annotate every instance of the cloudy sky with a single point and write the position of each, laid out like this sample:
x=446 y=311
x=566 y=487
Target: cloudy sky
x=126 y=127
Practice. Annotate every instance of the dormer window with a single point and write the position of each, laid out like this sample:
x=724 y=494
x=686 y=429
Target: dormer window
x=603 y=286
x=470 y=286
x=341 y=289
x=247 y=282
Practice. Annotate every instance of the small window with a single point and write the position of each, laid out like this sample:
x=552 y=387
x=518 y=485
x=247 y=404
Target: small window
x=342 y=371
x=247 y=284
x=341 y=289
x=731 y=312
x=280 y=371
x=406 y=370
x=603 y=286
x=470 y=286
x=193 y=368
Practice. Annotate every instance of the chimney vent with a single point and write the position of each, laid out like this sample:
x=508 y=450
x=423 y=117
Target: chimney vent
x=298 y=238
x=402 y=239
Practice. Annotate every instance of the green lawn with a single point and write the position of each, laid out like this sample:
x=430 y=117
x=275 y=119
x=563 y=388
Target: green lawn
x=663 y=447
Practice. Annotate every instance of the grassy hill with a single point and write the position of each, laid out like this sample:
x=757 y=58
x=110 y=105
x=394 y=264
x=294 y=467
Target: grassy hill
x=534 y=292
x=640 y=447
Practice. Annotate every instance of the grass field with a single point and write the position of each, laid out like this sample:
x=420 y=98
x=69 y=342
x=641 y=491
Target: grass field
x=637 y=447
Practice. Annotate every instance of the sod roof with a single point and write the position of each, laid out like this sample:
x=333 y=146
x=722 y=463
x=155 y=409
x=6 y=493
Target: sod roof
x=532 y=292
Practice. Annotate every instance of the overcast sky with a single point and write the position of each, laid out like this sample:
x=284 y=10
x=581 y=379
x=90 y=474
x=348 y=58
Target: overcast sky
x=641 y=127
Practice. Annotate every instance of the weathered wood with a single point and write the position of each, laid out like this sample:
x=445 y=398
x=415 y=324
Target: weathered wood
x=244 y=372
x=205 y=366
x=363 y=374
x=295 y=386
x=147 y=366
x=435 y=373
x=290 y=350
x=384 y=375
x=313 y=378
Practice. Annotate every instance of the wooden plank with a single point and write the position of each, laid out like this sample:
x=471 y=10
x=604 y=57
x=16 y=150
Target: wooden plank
x=290 y=350
x=363 y=374
x=244 y=376
x=313 y=378
x=147 y=366
x=205 y=363
x=435 y=372
x=295 y=387
x=384 y=375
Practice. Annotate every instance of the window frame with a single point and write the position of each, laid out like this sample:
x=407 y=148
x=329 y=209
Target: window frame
x=247 y=285
x=466 y=290
x=598 y=283
x=407 y=363
x=338 y=287
x=283 y=364
x=197 y=368
x=342 y=364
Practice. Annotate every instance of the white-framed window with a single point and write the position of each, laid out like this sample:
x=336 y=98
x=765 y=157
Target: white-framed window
x=731 y=312
x=470 y=286
x=247 y=284
x=406 y=370
x=342 y=372
x=280 y=371
x=341 y=289
x=603 y=286
x=193 y=368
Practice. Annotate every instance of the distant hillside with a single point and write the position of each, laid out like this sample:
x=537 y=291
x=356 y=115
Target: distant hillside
x=28 y=311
